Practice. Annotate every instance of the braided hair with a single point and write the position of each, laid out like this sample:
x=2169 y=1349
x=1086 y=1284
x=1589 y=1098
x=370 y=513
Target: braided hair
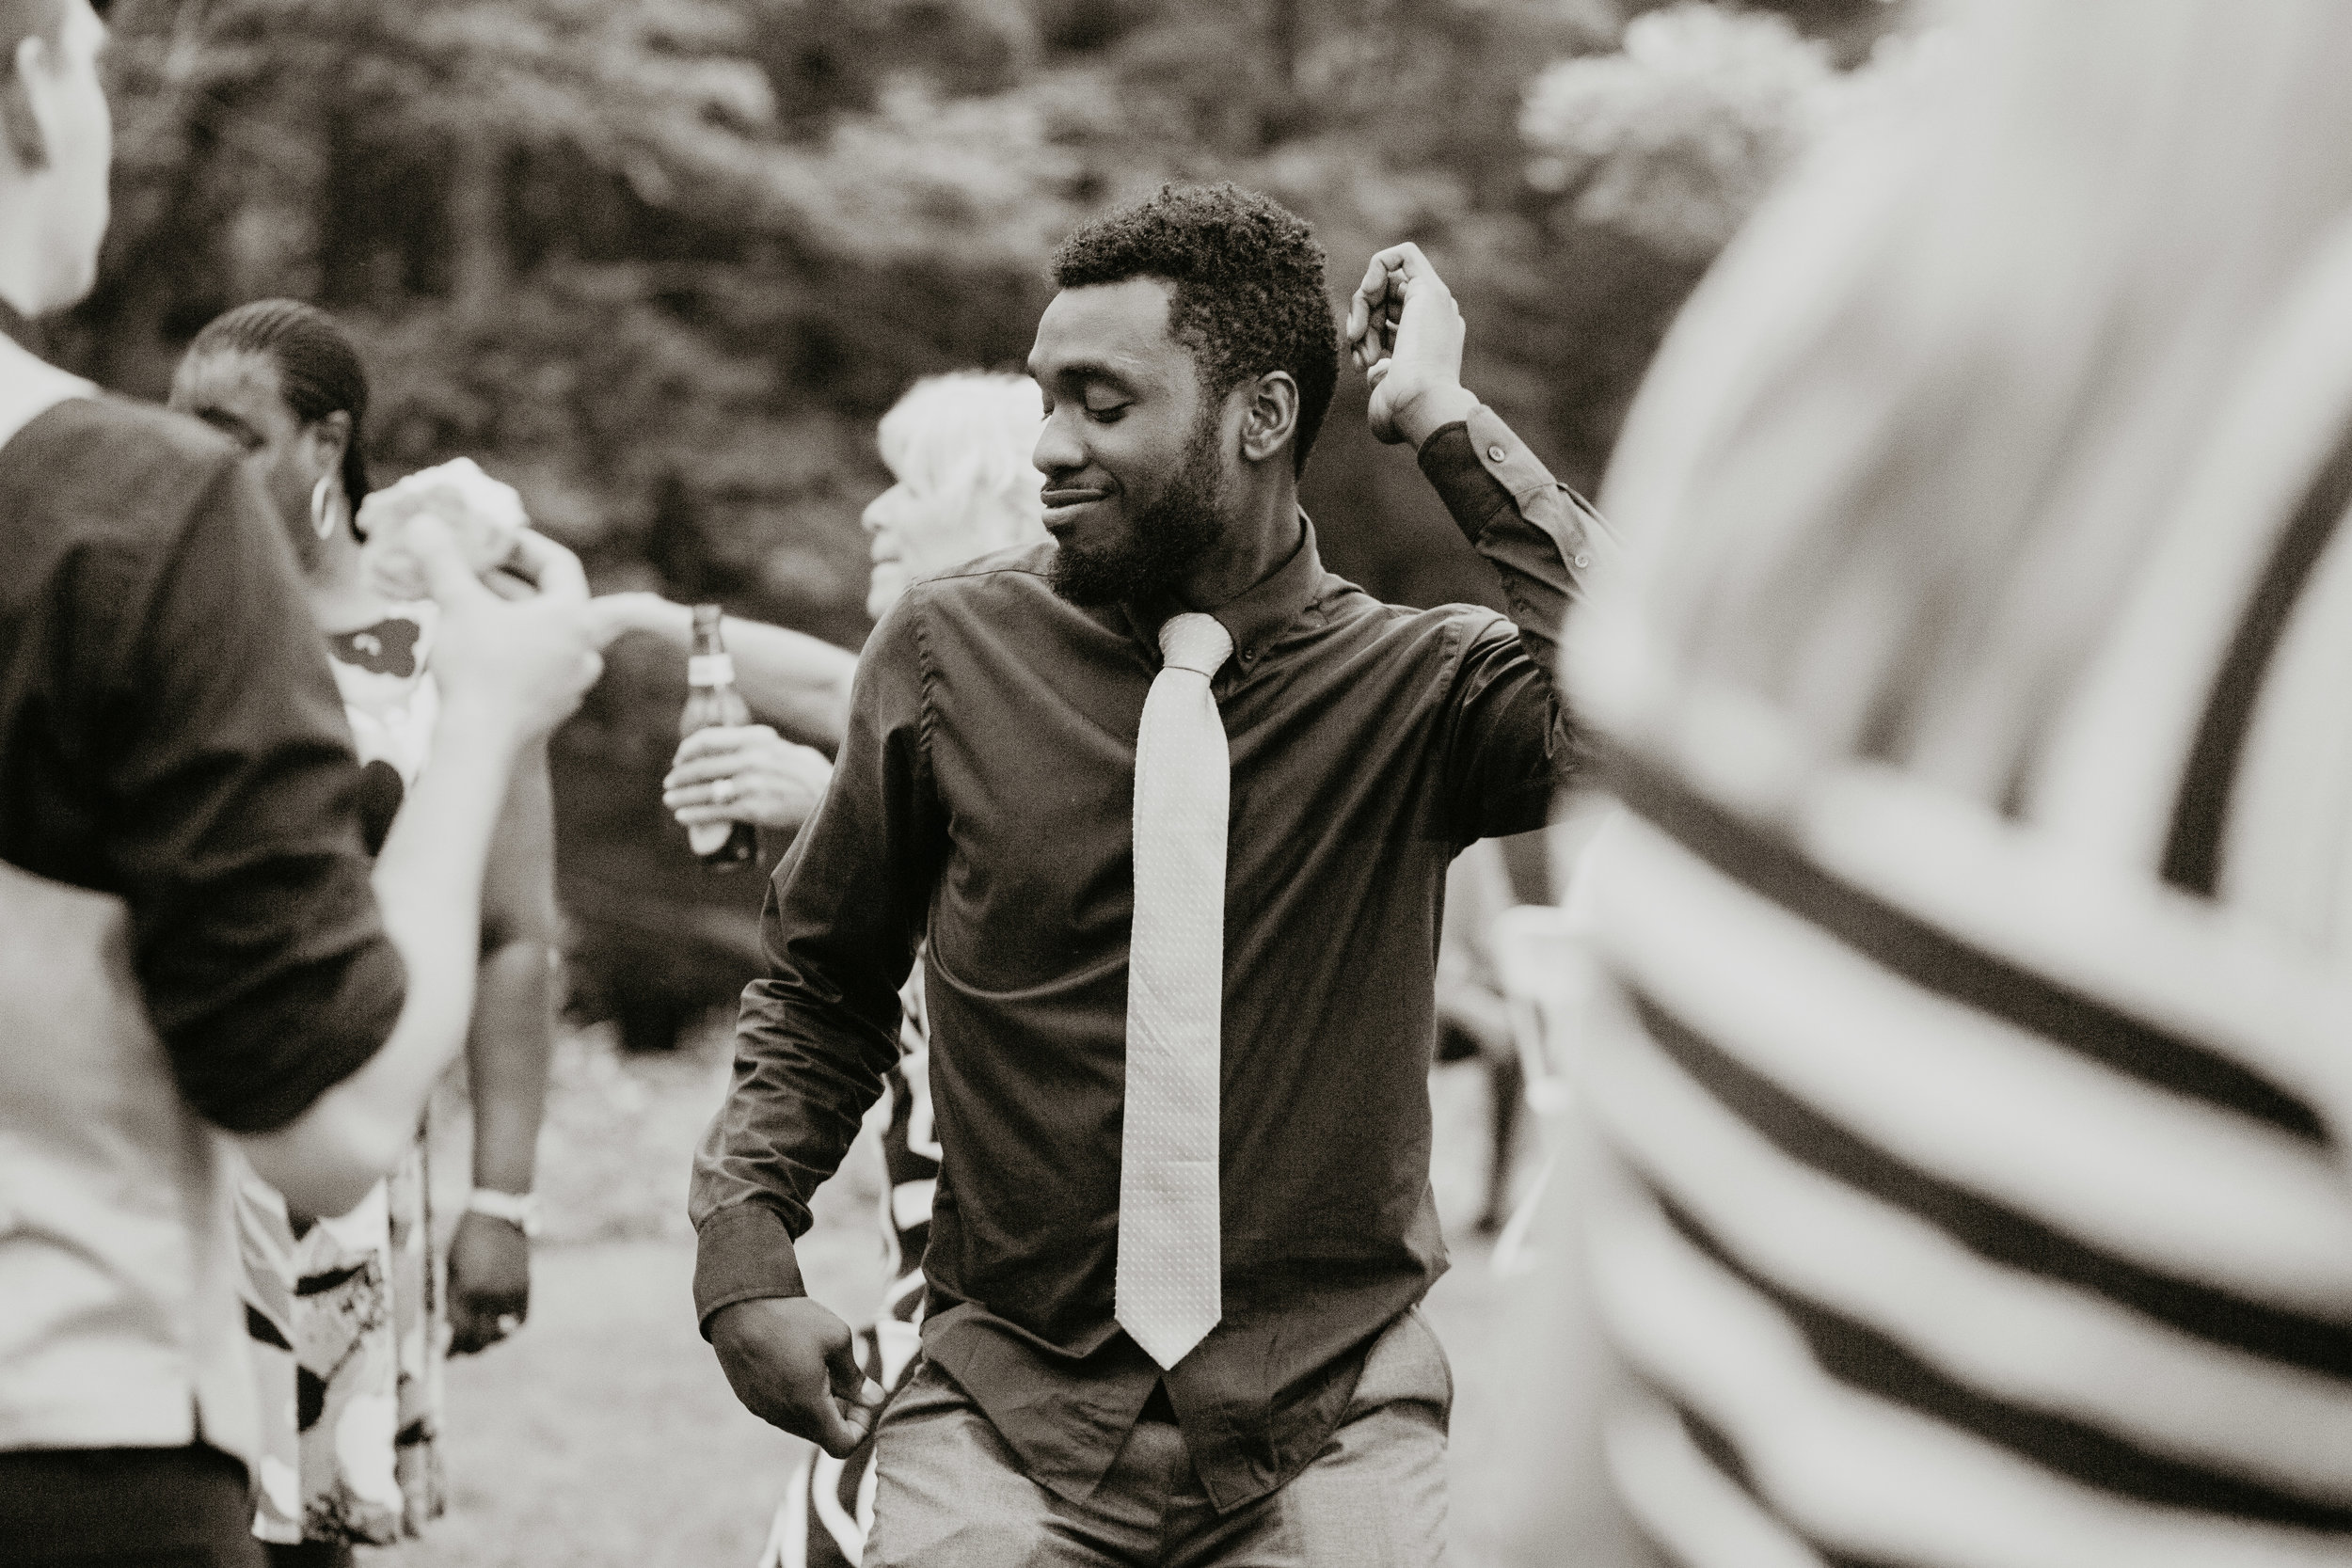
x=318 y=369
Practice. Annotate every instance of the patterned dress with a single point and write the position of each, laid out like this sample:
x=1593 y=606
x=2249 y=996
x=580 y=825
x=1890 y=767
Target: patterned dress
x=828 y=1504
x=346 y=1315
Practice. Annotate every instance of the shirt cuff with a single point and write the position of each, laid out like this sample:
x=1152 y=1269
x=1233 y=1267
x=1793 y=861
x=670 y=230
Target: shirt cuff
x=743 y=1252
x=1450 y=461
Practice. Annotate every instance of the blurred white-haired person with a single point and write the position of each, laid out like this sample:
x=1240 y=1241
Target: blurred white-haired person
x=1962 y=1178
x=957 y=448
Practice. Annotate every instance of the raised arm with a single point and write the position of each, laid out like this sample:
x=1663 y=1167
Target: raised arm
x=305 y=1013
x=1510 y=745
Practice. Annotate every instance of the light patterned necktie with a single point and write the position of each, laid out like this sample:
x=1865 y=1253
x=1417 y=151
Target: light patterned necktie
x=1170 y=1266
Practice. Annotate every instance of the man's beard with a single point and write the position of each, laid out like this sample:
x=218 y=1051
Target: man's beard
x=1165 y=540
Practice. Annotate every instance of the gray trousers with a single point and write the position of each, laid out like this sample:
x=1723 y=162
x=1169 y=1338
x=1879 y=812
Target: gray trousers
x=950 y=1493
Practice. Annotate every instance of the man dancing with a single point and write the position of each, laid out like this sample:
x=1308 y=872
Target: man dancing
x=1174 y=807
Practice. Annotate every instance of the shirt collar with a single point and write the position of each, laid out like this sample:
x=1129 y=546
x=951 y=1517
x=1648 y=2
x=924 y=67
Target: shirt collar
x=1258 y=615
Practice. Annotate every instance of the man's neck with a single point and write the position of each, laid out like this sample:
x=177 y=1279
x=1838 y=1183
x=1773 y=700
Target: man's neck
x=1255 y=543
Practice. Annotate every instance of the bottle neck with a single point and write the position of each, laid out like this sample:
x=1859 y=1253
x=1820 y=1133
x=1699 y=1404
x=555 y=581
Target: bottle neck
x=708 y=638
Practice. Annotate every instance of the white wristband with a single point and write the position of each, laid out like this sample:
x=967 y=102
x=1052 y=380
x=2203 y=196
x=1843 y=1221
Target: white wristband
x=520 y=1210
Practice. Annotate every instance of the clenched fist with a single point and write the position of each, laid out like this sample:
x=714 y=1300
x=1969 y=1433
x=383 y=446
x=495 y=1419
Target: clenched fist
x=1405 y=332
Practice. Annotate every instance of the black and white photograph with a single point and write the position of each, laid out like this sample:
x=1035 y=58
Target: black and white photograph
x=1175 y=783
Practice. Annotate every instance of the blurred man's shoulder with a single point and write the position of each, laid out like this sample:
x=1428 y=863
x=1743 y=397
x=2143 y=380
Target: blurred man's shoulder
x=147 y=430
x=117 y=466
x=1017 y=569
x=101 y=439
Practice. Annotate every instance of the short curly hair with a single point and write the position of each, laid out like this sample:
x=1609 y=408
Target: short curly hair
x=1247 y=275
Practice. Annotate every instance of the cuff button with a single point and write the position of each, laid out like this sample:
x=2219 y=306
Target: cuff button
x=1495 y=453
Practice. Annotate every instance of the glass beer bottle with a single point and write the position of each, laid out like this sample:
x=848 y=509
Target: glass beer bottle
x=711 y=700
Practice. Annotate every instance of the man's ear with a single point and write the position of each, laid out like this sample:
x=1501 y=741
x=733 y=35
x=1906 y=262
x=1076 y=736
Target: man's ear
x=19 y=125
x=1269 y=419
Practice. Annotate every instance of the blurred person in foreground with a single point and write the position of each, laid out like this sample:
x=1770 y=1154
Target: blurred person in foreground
x=1169 y=809
x=195 y=952
x=348 y=1313
x=1963 y=1175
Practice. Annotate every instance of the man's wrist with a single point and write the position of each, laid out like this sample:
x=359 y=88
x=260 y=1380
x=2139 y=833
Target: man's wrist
x=1433 y=409
x=741 y=1253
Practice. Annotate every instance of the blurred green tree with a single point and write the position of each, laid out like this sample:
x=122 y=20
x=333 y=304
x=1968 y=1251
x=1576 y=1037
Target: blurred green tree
x=662 y=263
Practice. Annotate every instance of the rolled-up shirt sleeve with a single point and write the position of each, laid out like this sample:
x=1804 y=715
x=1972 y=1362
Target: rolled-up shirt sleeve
x=818 y=1033
x=1511 y=744
x=230 y=797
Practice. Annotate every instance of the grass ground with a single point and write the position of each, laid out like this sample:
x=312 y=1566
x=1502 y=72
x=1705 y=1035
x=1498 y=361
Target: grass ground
x=604 y=1436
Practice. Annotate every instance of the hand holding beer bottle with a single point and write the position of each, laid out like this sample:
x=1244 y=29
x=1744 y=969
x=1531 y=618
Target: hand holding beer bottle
x=766 y=779
x=730 y=775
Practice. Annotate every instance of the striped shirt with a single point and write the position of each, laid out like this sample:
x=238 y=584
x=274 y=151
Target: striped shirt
x=1974 y=1191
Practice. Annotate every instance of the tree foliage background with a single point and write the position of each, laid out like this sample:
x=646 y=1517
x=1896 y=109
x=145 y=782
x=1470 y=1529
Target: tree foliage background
x=662 y=263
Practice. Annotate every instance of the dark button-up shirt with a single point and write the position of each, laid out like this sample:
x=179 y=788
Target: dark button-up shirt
x=170 y=734
x=982 y=801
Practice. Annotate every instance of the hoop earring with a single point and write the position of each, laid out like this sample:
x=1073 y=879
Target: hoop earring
x=322 y=509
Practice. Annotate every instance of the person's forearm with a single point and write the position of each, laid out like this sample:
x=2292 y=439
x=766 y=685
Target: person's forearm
x=814 y=1040
x=1515 y=742
x=798 y=683
x=804 y=1080
x=428 y=884
x=514 y=1026
x=805 y=1074
x=1543 y=543
x=506 y=1063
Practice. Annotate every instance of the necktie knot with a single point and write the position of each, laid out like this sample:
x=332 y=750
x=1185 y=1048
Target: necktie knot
x=1194 y=642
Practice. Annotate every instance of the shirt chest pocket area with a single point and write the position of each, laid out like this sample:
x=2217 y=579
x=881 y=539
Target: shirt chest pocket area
x=1039 y=887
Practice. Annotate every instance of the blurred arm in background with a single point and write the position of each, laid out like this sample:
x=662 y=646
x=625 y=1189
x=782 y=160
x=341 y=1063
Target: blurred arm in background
x=506 y=1057
x=799 y=683
x=1474 y=1021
